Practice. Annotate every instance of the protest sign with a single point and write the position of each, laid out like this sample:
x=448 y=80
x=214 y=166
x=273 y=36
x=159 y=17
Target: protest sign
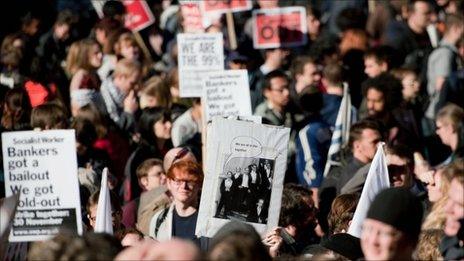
x=197 y=54
x=226 y=93
x=192 y=19
x=279 y=27
x=138 y=15
x=221 y=6
x=244 y=175
x=42 y=166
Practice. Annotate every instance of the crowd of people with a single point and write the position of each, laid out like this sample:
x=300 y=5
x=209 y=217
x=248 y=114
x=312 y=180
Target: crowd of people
x=402 y=62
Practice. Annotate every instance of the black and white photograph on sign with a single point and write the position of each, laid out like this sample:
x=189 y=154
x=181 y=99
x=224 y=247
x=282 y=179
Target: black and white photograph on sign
x=244 y=175
x=245 y=190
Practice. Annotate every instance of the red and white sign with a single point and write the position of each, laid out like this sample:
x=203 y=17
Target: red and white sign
x=279 y=27
x=224 y=6
x=192 y=18
x=138 y=15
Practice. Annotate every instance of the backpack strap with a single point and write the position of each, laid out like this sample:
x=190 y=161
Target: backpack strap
x=160 y=220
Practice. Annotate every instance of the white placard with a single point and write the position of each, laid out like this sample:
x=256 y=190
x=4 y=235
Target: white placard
x=244 y=175
x=226 y=93
x=42 y=166
x=198 y=53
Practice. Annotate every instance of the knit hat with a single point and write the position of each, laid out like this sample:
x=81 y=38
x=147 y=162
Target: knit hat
x=345 y=245
x=399 y=208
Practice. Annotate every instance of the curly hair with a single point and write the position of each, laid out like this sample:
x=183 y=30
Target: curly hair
x=427 y=247
x=389 y=86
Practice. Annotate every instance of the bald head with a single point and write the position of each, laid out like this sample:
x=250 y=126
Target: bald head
x=177 y=154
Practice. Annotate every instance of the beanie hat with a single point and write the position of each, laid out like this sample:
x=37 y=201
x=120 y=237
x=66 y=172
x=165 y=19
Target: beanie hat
x=399 y=208
x=345 y=245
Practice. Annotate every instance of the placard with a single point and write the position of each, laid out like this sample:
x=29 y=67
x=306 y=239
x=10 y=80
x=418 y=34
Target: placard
x=279 y=27
x=221 y=6
x=198 y=53
x=226 y=93
x=138 y=15
x=192 y=17
x=245 y=169
x=42 y=166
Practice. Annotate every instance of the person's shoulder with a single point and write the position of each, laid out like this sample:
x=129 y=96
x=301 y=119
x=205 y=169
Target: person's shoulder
x=261 y=109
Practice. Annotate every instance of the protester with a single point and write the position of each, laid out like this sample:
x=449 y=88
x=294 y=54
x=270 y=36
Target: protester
x=179 y=219
x=116 y=211
x=396 y=215
x=237 y=241
x=66 y=246
x=451 y=244
x=84 y=68
x=438 y=189
x=150 y=175
x=450 y=130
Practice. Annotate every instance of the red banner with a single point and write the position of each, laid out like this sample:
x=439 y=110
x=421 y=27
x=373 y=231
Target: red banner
x=224 y=6
x=279 y=27
x=138 y=15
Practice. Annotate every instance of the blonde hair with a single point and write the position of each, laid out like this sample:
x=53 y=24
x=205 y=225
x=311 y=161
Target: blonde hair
x=125 y=39
x=156 y=87
x=78 y=56
x=437 y=217
x=453 y=115
x=427 y=247
x=126 y=67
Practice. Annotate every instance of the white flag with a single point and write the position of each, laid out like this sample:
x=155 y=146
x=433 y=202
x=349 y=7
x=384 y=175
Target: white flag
x=341 y=133
x=376 y=181
x=104 y=220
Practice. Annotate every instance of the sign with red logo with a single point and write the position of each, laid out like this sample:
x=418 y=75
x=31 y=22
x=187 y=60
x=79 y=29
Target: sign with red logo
x=224 y=6
x=138 y=15
x=192 y=18
x=279 y=27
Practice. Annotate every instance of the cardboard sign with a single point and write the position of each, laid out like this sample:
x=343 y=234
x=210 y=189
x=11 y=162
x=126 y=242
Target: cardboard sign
x=226 y=93
x=198 y=53
x=192 y=18
x=138 y=15
x=224 y=6
x=244 y=175
x=279 y=27
x=42 y=166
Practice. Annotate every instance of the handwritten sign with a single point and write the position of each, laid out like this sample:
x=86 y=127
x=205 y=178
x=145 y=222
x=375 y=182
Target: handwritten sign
x=138 y=15
x=226 y=93
x=42 y=166
x=221 y=6
x=279 y=27
x=198 y=53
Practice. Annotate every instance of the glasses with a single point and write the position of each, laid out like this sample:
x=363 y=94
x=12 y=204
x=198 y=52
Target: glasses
x=280 y=90
x=180 y=182
x=113 y=214
x=181 y=154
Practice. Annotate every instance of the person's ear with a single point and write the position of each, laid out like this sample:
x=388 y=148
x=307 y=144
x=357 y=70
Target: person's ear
x=143 y=182
x=163 y=179
x=384 y=66
x=356 y=144
x=266 y=92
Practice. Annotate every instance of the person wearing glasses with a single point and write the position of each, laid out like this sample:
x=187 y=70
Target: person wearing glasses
x=184 y=180
x=116 y=211
x=274 y=108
